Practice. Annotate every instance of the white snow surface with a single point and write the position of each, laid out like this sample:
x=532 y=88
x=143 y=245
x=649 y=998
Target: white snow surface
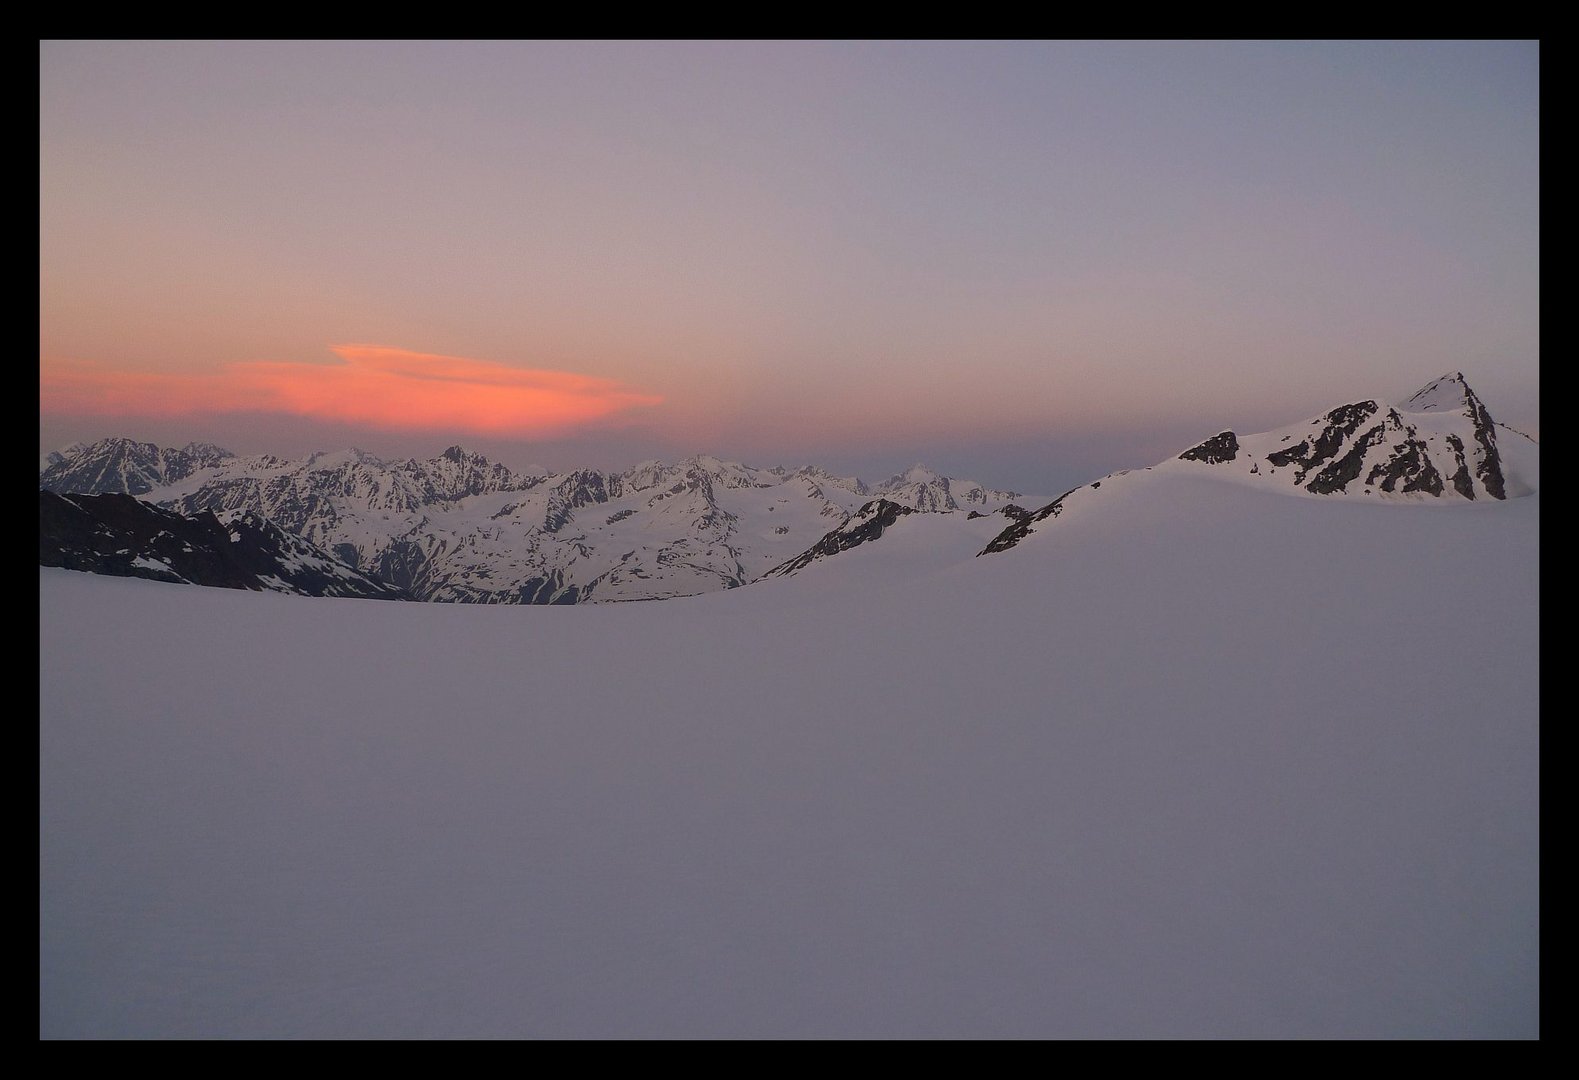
x=1205 y=761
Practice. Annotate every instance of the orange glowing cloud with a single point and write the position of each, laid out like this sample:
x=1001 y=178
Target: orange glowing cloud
x=376 y=386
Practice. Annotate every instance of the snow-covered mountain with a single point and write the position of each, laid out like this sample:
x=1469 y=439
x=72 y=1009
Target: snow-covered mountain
x=460 y=528
x=1439 y=444
x=119 y=535
x=123 y=465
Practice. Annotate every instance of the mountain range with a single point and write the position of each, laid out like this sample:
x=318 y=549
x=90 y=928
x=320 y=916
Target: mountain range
x=459 y=528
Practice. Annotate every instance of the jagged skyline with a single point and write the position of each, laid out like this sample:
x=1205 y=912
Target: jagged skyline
x=459 y=528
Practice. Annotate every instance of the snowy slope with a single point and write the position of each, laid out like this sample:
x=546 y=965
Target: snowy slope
x=1210 y=762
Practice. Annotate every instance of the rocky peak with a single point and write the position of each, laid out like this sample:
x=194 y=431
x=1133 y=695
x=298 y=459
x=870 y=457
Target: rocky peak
x=1441 y=442
x=1221 y=447
x=1448 y=393
x=916 y=474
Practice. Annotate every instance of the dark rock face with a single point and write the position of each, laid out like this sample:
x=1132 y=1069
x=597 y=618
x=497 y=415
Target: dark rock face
x=1489 y=466
x=1219 y=448
x=867 y=525
x=1338 y=475
x=404 y=564
x=116 y=534
x=1292 y=455
x=558 y=514
x=1461 y=481
x=587 y=486
x=1409 y=464
x=1342 y=422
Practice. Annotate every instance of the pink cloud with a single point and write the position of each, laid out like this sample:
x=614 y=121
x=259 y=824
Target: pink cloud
x=373 y=385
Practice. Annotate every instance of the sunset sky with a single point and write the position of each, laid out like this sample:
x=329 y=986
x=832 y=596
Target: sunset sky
x=1025 y=263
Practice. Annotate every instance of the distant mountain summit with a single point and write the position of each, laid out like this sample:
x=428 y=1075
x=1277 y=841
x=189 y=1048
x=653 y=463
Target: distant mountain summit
x=461 y=528
x=920 y=488
x=823 y=477
x=1439 y=444
x=125 y=466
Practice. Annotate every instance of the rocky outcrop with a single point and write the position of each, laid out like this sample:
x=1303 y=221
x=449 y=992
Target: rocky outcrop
x=115 y=534
x=867 y=524
x=1219 y=448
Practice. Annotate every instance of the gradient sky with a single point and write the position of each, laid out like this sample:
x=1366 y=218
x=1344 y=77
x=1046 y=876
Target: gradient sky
x=1024 y=263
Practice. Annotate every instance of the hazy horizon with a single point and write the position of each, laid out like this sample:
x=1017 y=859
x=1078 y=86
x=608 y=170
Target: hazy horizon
x=1026 y=263
x=1045 y=465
